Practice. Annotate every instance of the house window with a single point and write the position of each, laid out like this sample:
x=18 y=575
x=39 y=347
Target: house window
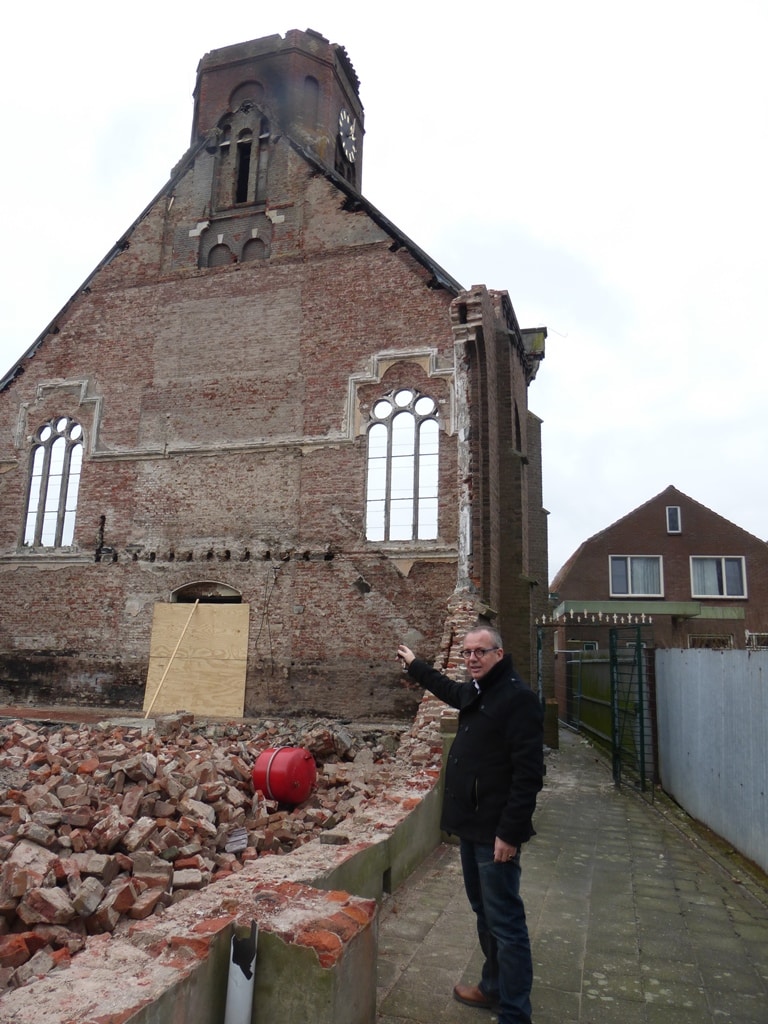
x=636 y=576
x=674 y=523
x=718 y=577
x=711 y=641
x=57 y=456
x=402 y=473
x=757 y=641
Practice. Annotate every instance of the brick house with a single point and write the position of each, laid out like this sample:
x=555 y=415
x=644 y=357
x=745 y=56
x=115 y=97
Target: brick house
x=695 y=579
x=268 y=437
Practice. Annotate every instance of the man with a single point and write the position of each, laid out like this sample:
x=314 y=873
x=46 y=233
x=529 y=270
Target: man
x=494 y=770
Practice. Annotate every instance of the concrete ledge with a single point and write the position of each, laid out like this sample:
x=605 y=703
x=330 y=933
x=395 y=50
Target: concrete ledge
x=380 y=866
x=113 y=980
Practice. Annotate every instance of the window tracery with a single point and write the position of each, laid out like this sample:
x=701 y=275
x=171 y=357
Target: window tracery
x=56 y=461
x=402 y=468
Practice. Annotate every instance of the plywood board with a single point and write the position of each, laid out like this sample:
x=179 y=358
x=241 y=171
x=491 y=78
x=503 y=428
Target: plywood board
x=206 y=674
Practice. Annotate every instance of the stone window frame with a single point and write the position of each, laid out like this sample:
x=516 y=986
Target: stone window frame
x=242 y=162
x=55 y=465
x=419 y=481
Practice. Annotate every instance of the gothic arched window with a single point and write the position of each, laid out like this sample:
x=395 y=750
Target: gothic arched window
x=242 y=163
x=57 y=456
x=402 y=477
x=243 y=169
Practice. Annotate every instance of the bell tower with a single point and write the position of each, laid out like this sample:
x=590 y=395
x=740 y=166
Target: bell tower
x=299 y=85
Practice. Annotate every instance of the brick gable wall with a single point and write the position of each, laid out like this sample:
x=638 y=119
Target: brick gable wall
x=224 y=414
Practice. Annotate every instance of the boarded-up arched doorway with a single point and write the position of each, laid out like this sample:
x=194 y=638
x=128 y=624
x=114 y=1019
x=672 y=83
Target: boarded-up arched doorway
x=198 y=652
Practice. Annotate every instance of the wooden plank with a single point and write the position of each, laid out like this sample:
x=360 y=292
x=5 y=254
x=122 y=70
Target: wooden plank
x=215 y=688
x=207 y=674
x=215 y=630
x=168 y=664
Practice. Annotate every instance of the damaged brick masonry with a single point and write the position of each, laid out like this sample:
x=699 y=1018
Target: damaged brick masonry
x=269 y=399
x=103 y=826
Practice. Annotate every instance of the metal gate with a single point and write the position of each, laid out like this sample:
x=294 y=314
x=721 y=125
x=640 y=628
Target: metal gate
x=633 y=707
x=611 y=695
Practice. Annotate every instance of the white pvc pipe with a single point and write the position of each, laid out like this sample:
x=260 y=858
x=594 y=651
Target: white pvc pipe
x=242 y=974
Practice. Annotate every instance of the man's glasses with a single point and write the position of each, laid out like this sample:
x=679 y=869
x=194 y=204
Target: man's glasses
x=479 y=652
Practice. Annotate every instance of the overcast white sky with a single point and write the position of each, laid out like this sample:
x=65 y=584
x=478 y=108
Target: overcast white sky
x=605 y=162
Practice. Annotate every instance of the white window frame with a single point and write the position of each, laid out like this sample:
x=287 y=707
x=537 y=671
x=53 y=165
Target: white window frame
x=722 y=559
x=630 y=592
x=674 y=510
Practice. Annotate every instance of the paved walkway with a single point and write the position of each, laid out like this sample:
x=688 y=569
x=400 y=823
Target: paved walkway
x=635 y=917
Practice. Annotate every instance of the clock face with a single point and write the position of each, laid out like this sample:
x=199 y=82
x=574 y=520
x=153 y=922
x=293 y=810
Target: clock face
x=347 y=136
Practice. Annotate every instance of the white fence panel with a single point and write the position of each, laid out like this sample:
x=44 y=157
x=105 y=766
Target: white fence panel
x=712 y=711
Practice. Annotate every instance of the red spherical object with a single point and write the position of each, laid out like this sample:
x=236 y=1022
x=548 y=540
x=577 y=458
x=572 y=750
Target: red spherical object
x=286 y=774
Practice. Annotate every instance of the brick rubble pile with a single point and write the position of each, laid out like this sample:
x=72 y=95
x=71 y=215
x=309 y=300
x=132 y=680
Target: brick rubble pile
x=104 y=825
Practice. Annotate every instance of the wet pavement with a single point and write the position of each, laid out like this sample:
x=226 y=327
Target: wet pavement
x=636 y=916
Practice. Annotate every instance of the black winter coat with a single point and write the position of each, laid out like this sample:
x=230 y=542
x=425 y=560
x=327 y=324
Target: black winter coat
x=495 y=766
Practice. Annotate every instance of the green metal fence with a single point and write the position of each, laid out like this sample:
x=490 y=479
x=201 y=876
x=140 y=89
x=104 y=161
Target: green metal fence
x=610 y=697
x=633 y=732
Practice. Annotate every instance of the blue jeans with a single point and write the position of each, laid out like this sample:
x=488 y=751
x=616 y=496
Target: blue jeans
x=493 y=890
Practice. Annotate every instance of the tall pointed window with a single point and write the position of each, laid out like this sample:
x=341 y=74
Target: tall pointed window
x=243 y=171
x=402 y=478
x=242 y=163
x=57 y=456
